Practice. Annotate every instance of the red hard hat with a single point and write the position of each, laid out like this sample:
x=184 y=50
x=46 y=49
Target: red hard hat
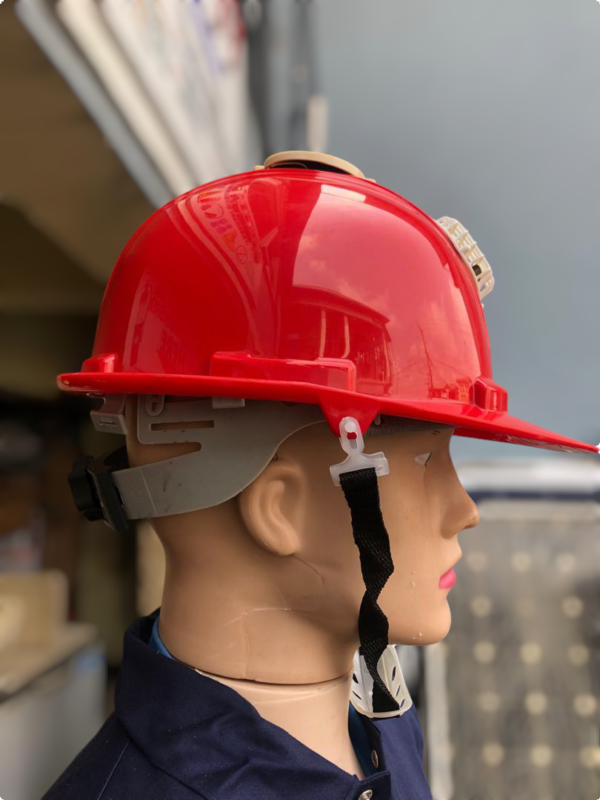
x=304 y=285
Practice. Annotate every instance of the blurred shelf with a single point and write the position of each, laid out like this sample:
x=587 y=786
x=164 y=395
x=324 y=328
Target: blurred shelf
x=20 y=666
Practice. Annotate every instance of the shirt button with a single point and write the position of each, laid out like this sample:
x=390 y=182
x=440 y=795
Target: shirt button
x=375 y=759
x=366 y=795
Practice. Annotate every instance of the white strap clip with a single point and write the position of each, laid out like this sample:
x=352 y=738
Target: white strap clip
x=390 y=672
x=353 y=443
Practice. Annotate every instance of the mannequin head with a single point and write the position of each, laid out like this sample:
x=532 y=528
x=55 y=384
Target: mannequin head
x=267 y=586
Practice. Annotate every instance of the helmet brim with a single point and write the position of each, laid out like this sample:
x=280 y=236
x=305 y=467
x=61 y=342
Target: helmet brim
x=469 y=419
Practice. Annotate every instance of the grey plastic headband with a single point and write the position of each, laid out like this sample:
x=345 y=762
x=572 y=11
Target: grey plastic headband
x=236 y=444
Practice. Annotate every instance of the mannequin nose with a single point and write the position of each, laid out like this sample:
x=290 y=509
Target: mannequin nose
x=461 y=511
x=473 y=514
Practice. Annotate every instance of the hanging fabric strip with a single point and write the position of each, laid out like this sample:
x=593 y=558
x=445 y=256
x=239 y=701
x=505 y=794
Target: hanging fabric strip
x=362 y=495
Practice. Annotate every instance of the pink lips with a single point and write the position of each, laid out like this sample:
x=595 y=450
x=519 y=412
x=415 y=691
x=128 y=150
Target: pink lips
x=448 y=579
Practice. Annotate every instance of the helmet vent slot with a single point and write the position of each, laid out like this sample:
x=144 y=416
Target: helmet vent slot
x=193 y=425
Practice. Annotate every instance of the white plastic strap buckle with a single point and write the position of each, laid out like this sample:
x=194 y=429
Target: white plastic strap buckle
x=352 y=441
x=390 y=672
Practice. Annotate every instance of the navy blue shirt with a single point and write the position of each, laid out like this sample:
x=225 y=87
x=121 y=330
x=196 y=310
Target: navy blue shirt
x=177 y=735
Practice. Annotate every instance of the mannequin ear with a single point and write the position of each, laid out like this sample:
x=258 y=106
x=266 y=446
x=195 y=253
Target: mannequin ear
x=272 y=507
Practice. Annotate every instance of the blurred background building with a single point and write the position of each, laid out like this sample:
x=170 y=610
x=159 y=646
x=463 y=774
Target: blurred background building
x=488 y=112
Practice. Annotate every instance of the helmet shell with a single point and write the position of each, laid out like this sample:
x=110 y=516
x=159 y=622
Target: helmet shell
x=303 y=286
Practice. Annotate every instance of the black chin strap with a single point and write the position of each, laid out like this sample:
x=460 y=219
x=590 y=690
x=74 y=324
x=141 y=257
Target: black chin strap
x=362 y=495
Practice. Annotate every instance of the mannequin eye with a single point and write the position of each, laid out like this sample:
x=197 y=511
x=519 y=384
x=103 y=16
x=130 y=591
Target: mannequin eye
x=423 y=459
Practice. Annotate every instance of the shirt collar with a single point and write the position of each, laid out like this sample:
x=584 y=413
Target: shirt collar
x=214 y=741
x=358 y=733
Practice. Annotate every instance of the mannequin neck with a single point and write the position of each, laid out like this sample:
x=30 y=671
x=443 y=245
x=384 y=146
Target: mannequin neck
x=263 y=625
x=232 y=608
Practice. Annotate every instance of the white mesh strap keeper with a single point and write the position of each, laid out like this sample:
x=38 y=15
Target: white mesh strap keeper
x=390 y=671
